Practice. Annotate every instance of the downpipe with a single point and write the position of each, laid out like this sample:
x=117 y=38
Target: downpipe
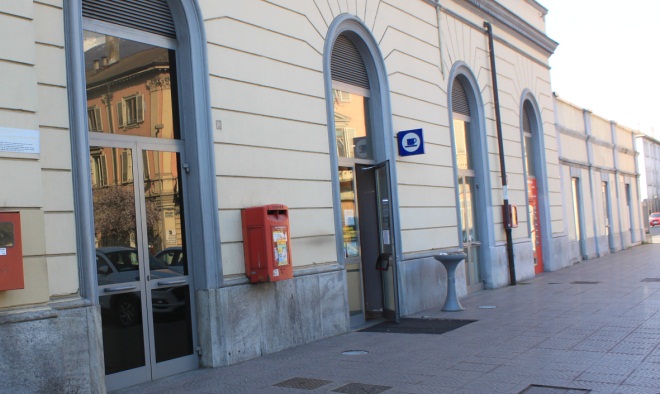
x=500 y=144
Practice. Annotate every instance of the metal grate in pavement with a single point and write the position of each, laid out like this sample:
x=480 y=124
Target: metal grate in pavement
x=361 y=388
x=651 y=280
x=303 y=383
x=584 y=282
x=539 y=389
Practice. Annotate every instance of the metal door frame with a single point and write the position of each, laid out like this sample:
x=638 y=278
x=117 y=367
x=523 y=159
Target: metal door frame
x=152 y=369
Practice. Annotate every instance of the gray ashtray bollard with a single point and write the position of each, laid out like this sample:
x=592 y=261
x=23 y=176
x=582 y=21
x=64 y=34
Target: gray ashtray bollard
x=451 y=261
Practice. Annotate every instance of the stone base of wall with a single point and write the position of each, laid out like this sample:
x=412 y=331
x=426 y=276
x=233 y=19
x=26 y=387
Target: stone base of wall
x=237 y=323
x=51 y=349
x=562 y=253
x=424 y=284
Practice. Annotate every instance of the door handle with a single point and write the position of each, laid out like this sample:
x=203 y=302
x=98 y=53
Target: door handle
x=119 y=288
x=171 y=282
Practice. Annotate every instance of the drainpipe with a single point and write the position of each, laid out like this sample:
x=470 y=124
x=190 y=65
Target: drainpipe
x=500 y=144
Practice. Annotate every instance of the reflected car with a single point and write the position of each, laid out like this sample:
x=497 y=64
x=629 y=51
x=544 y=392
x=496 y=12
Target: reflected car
x=654 y=219
x=174 y=258
x=119 y=264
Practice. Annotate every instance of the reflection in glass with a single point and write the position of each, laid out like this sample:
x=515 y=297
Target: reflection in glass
x=172 y=322
x=463 y=152
x=114 y=216
x=162 y=187
x=351 y=125
x=123 y=341
x=130 y=88
x=466 y=188
x=529 y=162
x=348 y=212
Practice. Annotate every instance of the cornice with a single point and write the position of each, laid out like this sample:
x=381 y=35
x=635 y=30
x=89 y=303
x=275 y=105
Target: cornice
x=503 y=17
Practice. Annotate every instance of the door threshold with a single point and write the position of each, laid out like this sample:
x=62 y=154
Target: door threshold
x=368 y=324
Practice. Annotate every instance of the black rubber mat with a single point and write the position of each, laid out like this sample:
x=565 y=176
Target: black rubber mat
x=361 y=388
x=539 y=389
x=419 y=326
x=303 y=383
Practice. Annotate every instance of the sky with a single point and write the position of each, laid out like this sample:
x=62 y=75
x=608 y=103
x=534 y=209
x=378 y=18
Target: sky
x=608 y=58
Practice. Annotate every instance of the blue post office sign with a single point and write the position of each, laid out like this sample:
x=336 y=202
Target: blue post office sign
x=411 y=142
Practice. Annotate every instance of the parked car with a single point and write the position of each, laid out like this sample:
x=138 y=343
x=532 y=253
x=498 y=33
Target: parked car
x=174 y=258
x=119 y=264
x=654 y=219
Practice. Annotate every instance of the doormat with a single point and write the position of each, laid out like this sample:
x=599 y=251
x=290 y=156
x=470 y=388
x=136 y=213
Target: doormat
x=419 y=326
x=303 y=383
x=361 y=388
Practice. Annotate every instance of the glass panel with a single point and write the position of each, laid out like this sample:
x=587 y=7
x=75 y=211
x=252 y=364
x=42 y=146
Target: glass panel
x=164 y=213
x=576 y=208
x=123 y=341
x=349 y=216
x=469 y=228
x=386 y=233
x=463 y=153
x=172 y=322
x=130 y=88
x=534 y=224
x=529 y=162
x=352 y=125
x=467 y=206
x=605 y=203
x=114 y=217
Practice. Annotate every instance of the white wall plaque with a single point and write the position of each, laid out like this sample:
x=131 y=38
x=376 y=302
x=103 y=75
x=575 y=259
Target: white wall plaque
x=19 y=140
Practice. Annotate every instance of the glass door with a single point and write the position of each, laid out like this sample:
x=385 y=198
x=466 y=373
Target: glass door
x=386 y=244
x=142 y=269
x=471 y=244
x=535 y=225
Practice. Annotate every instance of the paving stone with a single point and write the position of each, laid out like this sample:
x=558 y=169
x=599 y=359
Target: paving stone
x=604 y=338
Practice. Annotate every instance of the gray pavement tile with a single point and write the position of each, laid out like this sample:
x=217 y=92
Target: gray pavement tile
x=489 y=386
x=632 y=389
x=602 y=377
x=477 y=367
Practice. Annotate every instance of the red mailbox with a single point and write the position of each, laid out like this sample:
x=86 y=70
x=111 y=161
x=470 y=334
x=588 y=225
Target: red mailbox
x=267 y=243
x=11 y=252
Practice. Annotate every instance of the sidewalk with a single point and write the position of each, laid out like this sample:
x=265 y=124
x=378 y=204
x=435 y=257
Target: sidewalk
x=594 y=326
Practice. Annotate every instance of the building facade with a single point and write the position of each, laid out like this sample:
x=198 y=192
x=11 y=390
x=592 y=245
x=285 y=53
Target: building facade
x=600 y=181
x=373 y=125
x=649 y=166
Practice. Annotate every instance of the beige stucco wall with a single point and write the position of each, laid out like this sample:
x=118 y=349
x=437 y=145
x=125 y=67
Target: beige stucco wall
x=39 y=186
x=597 y=151
x=267 y=88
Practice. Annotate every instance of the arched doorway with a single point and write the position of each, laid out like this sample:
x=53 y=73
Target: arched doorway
x=472 y=183
x=364 y=199
x=532 y=187
x=137 y=87
x=533 y=151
